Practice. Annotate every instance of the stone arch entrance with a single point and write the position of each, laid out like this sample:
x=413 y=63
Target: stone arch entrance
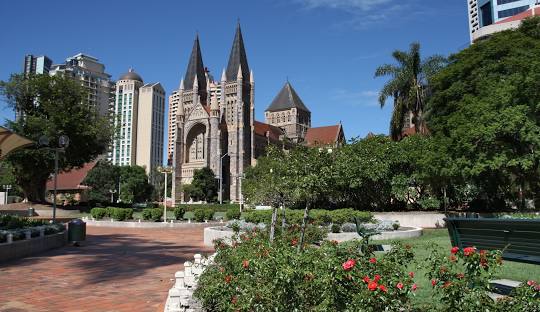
x=196 y=144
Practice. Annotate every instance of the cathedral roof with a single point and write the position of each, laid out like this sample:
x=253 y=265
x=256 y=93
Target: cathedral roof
x=237 y=58
x=323 y=136
x=262 y=129
x=131 y=75
x=286 y=99
x=195 y=68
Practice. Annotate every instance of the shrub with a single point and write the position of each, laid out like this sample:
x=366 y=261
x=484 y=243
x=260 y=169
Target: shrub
x=348 y=228
x=179 y=213
x=395 y=226
x=98 y=213
x=152 y=214
x=214 y=207
x=317 y=216
x=233 y=214
x=332 y=277
x=335 y=228
x=208 y=214
x=199 y=215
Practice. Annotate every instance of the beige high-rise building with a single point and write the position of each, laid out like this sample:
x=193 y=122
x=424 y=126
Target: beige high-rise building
x=92 y=76
x=150 y=125
x=139 y=112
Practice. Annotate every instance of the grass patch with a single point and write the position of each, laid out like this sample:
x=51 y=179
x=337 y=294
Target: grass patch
x=439 y=239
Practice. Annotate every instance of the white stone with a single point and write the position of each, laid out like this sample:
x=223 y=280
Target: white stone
x=179 y=284
x=197 y=258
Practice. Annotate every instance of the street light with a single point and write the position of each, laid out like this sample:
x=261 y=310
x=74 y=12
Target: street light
x=112 y=195
x=221 y=178
x=165 y=170
x=6 y=187
x=63 y=143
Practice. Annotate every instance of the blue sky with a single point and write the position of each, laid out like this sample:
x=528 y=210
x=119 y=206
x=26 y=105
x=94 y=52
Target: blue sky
x=328 y=49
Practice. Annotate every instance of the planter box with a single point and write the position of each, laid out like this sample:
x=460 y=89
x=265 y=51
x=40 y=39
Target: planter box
x=28 y=247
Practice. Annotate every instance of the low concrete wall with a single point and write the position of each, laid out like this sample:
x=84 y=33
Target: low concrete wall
x=133 y=224
x=28 y=247
x=213 y=233
x=401 y=234
x=413 y=218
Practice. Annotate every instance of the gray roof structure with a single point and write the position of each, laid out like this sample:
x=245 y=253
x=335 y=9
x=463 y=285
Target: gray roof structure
x=195 y=68
x=237 y=58
x=131 y=75
x=286 y=99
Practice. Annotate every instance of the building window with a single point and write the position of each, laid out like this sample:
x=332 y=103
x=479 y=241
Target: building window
x=512 y=12
x=499 y=2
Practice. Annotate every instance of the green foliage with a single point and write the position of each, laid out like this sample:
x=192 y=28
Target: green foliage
x=101 y=179
x=214 y=207
x=316 y=216
x=134 y=184
x=179 y=213
x=152 y=214
x=203 y=187
x=336 y=228
x=484 y=116
x=408 y=86
x=203 y=214
x=98 y=213
x=233 y=214
x=52 y=106
x=253 y=275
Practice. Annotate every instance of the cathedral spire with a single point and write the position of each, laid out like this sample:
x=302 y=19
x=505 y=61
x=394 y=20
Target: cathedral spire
x=238 y=57
x=195 y=68
x=182 y=84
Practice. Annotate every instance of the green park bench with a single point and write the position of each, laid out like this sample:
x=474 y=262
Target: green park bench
x=519 y=238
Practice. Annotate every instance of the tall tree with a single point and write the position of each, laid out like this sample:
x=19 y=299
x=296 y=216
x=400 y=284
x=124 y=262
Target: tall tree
x=485 y=115
x=52 y=106
x=134 y=186
x=103 y=178
x=203 y=187
x=408 y=86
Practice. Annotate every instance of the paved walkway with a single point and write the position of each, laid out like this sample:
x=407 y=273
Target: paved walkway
x=117 y=269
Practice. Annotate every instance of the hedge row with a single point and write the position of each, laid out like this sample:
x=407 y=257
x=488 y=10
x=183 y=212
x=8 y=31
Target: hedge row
x=317 y=216
x=119 y=214
x=152 y=214
x=10 y=222
x=213 y=207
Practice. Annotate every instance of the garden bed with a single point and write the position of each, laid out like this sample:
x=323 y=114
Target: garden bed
x=147 y=224
x=401 y=233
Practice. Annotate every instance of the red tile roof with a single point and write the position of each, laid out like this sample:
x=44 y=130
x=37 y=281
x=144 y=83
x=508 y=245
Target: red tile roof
x=71 y=180
x=328 y=135
x=521 y=15
x=262 y=128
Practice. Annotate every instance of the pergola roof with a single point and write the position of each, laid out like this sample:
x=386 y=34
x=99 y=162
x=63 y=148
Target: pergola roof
x=10 y=142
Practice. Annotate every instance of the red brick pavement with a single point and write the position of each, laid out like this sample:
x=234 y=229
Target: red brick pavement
x=117 y=269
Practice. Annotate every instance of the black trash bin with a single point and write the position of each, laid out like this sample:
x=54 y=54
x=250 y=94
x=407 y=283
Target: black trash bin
x=76 y=231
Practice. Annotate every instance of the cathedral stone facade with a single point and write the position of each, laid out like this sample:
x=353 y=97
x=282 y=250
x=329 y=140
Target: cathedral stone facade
x=212 y=123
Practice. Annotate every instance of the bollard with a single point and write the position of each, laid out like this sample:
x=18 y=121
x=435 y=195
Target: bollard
x=27 y=235
x=112 y=220
x=139 y=220
x=171 y=221
x=187 y=268
x=174 y=304
x=197 y=258
x=9 y=238
x=189 y=221
x=179 y=276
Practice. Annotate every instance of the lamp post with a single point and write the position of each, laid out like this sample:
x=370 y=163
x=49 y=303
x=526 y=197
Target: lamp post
x=165 y=170
x=221 y=178
x=63 y=143
x=6 y=187
x=112 y=195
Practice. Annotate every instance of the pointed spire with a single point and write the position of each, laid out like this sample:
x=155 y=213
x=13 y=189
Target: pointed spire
x=286 y=99
x=182 y=84
x=214 y=103
x=223 y=75
x=195 y=68
x=238 y=57
x=251 y=79
x=239 y=74
x=195 y=83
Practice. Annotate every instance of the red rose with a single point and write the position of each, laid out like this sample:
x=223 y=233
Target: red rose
x=294 y=241
x=349 y=264
x=377 y=278
x=366 y=279
x=372 y=286
x=245 y=264
x=433 y=282
x=372 y=260
x=531 y=283
x=228 y=279
x=453 y=258
x=447 y=284
x=411 y=274
x=399 y=285
x=454 y=250
x=414 y=287
x=482 y=252
x=460 y=275
x=234 y=299
x=334 y=242
x=383 y=288
x=468 y=251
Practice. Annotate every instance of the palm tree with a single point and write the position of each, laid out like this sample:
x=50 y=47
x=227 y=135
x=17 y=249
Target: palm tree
x=408 y=86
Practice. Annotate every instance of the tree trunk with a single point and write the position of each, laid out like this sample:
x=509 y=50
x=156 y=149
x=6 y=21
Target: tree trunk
x=274 y=221
x=282 y=216
x=34 y=190
x=304 y=225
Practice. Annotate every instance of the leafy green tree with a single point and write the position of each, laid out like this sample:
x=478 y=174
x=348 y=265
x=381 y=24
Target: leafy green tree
x=203 y=187
x=134 y=186
x=408 y=86
x=52 y=106
x=485 y=115
x=101 y=179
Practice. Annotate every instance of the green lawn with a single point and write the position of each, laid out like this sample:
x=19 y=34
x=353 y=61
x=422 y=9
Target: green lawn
x=439 y=239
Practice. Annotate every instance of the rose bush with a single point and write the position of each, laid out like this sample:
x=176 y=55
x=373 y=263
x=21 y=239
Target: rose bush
x=251 y=274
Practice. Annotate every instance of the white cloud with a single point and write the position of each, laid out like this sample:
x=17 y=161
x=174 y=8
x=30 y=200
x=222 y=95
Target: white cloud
x=365 y=98
x=364 y=5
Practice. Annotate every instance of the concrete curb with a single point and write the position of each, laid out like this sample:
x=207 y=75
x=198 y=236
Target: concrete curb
x=410 y=233
x=147 y=225
x=30 y=247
